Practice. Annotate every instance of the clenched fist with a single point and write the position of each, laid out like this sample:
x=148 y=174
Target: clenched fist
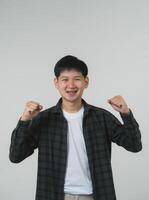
x=32 y=108
x=119 y=104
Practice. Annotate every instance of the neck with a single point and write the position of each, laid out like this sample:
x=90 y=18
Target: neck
x=71 y=107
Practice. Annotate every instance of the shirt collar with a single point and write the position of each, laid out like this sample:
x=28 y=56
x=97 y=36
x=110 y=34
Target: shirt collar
x=58 y=109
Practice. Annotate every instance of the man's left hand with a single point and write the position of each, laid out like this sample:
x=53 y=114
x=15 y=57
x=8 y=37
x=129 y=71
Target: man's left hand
x=119 y=104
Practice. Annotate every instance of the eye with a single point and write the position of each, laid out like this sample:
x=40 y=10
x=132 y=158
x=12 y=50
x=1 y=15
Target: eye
x=78 y=79
x=64 y=80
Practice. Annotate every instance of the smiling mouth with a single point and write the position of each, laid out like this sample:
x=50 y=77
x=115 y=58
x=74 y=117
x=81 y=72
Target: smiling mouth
x=72 y=92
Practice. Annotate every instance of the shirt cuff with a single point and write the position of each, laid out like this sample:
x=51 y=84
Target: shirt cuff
x=23 y=123
x=128 y=118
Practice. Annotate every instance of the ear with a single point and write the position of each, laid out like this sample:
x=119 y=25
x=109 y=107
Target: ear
x=86 y=81
x=56 y=82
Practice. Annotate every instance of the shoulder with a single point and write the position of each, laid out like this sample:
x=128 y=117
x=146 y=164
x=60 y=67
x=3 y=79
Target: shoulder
x=47 y=112
x=99 y=110
x=103 y=115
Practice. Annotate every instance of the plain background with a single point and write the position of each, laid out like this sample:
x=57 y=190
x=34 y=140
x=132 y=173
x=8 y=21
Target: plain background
x=112 y=37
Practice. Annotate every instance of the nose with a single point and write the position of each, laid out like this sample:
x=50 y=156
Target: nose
x=71 y=84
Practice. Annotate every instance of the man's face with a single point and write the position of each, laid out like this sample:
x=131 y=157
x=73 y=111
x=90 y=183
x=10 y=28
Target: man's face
x=71 y=85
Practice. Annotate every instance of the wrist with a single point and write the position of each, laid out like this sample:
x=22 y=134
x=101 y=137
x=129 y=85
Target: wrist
x=25 y=118
x=127 y=112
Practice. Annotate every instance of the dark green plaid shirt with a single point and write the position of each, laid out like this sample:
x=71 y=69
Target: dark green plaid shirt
x=48 y=132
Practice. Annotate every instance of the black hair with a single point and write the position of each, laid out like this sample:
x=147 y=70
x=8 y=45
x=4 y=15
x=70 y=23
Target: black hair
x=70 y=62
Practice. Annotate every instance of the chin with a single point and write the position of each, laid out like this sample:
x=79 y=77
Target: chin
x=73 y=99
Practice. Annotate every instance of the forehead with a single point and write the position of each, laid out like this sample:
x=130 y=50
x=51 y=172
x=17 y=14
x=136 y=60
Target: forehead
x=70 y=73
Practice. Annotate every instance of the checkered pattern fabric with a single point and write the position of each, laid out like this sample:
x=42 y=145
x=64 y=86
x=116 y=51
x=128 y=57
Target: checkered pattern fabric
x=48 y=132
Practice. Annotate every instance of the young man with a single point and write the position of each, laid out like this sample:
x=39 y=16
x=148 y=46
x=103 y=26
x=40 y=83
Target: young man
x=74 y=139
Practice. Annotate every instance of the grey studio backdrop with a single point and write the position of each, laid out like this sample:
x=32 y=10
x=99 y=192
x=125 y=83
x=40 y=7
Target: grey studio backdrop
x=112 y=37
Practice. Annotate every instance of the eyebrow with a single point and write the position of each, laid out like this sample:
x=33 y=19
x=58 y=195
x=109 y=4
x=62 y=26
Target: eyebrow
x=73 y=77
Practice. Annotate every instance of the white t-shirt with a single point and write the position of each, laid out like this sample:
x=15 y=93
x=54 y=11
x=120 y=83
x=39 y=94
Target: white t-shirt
x=77 y=179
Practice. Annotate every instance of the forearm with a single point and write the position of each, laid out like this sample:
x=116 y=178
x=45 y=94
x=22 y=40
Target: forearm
x=132 y=132
x=127 y=135
x=22 y=143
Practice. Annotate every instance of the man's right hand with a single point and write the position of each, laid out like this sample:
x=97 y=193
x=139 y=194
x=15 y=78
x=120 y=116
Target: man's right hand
x=32 y=109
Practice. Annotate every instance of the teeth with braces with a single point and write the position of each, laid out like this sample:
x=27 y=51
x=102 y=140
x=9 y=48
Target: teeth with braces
x=72 y=91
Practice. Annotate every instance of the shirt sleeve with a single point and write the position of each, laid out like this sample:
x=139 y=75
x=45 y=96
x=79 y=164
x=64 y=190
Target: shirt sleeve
x=24 y=139
x=128 y=134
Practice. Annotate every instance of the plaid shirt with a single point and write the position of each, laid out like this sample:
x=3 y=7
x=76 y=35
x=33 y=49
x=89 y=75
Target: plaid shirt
x=48 y=132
